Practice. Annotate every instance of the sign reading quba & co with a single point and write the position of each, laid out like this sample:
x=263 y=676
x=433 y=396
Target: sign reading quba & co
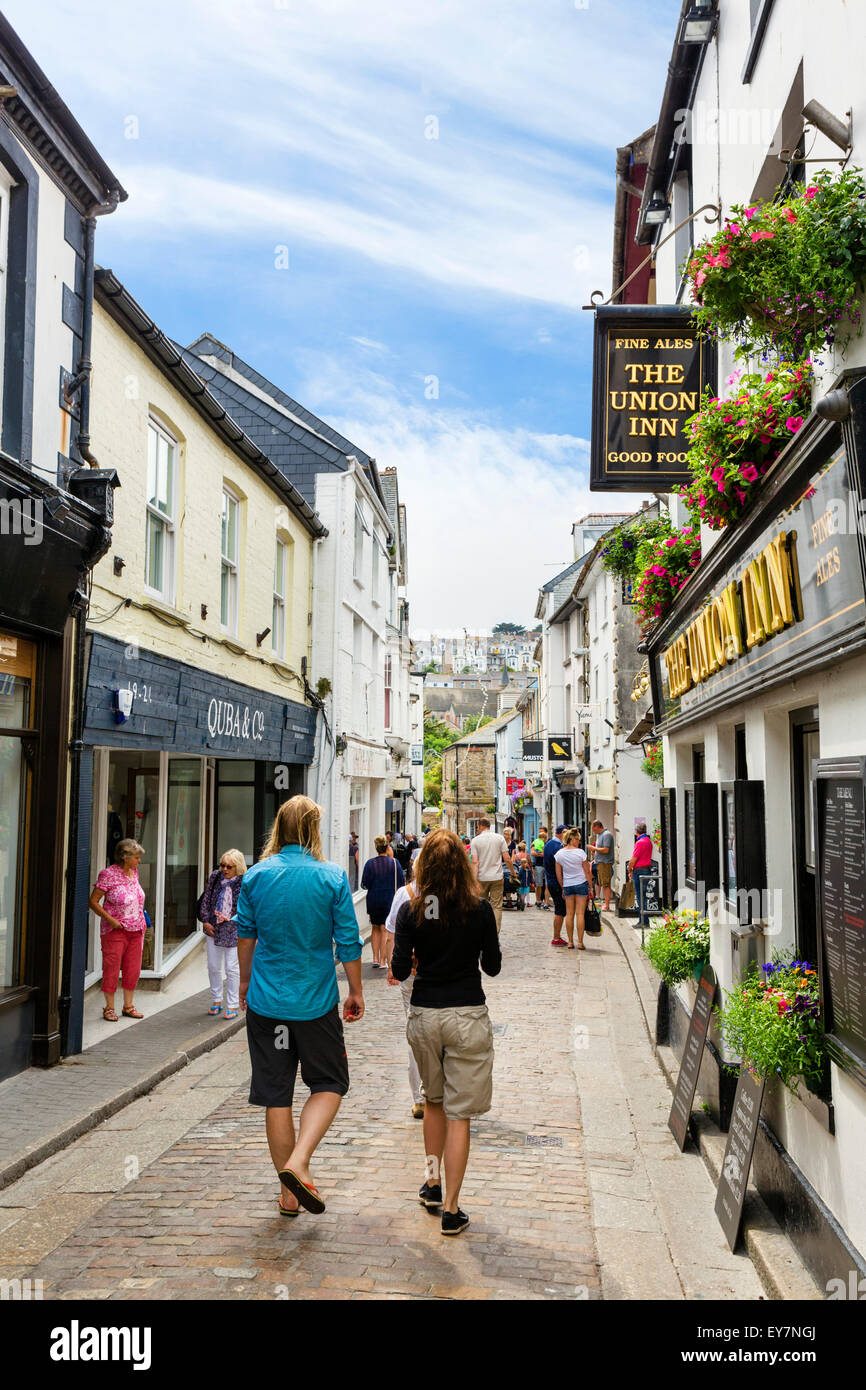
x=650 y=367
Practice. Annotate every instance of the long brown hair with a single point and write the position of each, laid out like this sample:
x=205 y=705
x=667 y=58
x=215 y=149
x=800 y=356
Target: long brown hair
x=444 y=879
x=298 y=822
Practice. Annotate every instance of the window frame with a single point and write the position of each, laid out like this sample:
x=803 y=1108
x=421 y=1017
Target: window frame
x=167 y=520
x=278 y=605
x=388 y=688
x=229 y=564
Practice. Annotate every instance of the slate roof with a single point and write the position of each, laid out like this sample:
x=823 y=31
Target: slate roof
x=300 y=444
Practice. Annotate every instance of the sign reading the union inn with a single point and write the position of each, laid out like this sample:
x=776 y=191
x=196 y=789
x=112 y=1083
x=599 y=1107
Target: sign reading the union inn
x=649 y=369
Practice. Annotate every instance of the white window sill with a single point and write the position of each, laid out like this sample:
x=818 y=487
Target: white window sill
x=157 y=604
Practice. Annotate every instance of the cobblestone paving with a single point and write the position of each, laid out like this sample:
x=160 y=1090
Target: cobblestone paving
x=201 y=1220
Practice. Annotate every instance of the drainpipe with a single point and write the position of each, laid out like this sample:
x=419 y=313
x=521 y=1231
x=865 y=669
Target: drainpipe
x=81 y=381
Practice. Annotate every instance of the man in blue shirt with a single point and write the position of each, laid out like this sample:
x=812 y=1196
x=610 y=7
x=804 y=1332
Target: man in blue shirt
x=554 y=887
x=294 y=909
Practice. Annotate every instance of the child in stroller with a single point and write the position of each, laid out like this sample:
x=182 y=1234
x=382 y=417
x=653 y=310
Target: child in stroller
x=517 y=884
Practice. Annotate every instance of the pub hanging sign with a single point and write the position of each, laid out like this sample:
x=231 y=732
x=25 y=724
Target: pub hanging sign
x=649 y=369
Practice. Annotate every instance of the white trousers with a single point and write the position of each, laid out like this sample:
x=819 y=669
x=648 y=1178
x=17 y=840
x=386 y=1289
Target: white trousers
x=217 y=957
x=414 y=1074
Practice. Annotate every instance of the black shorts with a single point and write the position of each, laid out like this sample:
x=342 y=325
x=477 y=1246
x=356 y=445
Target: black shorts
x=278 y=1046
x=557 y=897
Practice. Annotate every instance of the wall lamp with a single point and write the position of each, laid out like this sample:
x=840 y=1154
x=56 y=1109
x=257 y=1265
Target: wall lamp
x=700 y=22
x=834 y=406
x=658 y=209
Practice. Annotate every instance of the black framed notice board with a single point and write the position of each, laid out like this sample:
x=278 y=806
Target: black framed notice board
x=840 y=821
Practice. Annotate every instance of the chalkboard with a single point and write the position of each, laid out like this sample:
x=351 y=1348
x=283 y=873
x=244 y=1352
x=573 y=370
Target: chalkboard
x=690 y=1066
x=734 y=1177
x=652 y=897
x=841 y=824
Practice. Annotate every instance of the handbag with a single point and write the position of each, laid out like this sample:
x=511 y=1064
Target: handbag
x=592 y=919
x=626 y=897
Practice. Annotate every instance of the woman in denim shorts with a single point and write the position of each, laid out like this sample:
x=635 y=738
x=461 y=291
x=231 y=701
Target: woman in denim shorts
x=571 y=872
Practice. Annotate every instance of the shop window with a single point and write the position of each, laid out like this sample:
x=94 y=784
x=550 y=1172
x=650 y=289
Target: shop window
x=805 y=750
x=230 y=550
x=159 y=561
x=182 y=851
x=278 y=612
x=17 y=674
x=741 y=765
x=668 y=820
x=235 y=807
x=701 y=816
x=132 y=813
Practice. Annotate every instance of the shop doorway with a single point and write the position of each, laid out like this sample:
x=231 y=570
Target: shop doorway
x=805 y=751
x=17 y=746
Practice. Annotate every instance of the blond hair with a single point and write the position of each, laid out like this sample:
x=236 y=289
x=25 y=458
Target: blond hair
x=572 y=837
x=381 y=844
x=235 y=857
x=298 y=822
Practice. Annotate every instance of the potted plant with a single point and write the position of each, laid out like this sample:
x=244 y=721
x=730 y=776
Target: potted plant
x=785 y=277
x=679 y=945
x=736 y=440
x=772 y=1021
x=663 y=567
x=619 y=554
x=653 y=764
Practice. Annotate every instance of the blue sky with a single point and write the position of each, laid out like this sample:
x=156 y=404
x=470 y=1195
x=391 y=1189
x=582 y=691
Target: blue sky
x=439 y=177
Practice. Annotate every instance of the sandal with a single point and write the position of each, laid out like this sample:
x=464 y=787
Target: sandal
x=287 y=1211
x=131 y=1013
x=306 y=1193
x=215 y=1009
x=109 y=1015
x=230 y=1014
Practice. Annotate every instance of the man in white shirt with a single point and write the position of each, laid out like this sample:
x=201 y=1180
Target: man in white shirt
x=488 y=850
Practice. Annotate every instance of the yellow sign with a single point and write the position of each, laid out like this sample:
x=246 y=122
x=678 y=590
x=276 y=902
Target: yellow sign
x=764 y=600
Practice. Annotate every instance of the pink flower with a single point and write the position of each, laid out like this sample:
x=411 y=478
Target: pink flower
x=749 y=213
x=735 y=228
x=671 y=540
x=740 y=494
x=749 y=472
x=794 y=423
x=700 y=278
x=811 y=191
x=763 y=236
x=790 y=214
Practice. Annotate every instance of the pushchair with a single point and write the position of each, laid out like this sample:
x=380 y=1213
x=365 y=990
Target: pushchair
x=512 y=898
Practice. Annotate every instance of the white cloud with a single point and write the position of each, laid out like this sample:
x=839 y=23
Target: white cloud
x=489 y=508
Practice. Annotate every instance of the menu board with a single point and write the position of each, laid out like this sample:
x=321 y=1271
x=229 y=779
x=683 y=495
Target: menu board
x=842 y=877
x=734 y=1177
x=690 y=1066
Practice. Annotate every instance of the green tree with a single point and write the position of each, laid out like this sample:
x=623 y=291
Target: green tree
x=507 y=629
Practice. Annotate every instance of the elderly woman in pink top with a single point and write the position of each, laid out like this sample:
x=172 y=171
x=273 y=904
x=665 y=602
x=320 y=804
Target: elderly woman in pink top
x=123 y=926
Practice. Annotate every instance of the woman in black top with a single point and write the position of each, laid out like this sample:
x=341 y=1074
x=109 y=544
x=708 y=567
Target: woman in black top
x=446 y=929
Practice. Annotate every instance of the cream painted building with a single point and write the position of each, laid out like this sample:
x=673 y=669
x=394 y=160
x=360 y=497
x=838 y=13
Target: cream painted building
x=198 y=722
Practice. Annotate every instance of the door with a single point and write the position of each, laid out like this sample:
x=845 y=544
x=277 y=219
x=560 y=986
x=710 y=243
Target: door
x=805 y=750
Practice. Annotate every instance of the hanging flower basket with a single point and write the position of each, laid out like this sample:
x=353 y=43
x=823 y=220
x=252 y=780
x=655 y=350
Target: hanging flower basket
x=785 y=277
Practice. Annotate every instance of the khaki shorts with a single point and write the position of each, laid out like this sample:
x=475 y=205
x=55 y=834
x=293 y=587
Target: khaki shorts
x=605 y=874
x=454 y=1052
x=492 y=891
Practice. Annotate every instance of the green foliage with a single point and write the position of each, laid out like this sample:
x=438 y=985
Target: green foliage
x=735 y=441
x=654 y=764
x=783 y=277
x=772 y=1020
x=475 y=721
x=507 y=629
x=620 y=551
x=663 y=567
x=677 y=944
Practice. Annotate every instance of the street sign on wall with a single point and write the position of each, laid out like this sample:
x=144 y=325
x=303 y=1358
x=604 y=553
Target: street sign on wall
x=649 y=368
x=416 y=754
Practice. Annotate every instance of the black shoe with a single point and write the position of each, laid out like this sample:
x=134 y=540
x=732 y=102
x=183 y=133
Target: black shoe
x=453 y=1222
x=430 y=1197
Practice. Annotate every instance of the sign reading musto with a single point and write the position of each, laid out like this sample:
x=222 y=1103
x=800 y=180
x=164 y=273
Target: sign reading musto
x=650 y=367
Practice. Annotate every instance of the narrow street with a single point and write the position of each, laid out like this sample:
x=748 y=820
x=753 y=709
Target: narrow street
x=575 y=1189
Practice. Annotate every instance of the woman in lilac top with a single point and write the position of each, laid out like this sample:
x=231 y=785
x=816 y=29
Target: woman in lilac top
x=217 y=909
x=123 y=926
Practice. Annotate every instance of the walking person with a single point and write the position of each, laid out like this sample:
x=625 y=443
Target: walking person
x=295 y=912
x=382 y=877
x=404 y=895
x=448 y=1027
x=489 y=851
x=602 y=859
x=640 y=867
x=574 y=885
x=537 y=852
x=552 y=847
x=353 y=860
x=524 y=868
x=118 y=898
x=216 y=911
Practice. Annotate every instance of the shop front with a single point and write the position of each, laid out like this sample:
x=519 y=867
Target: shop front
x=759 y=686
x=188 y=764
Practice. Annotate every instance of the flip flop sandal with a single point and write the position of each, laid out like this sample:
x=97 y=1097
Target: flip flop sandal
x=230 y=1014
x=215 y=1009
x=284 y=1211
x=307 y=1194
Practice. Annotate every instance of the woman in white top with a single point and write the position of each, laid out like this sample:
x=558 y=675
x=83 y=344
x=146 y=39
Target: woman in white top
x=570 y=870
x=403 y=895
